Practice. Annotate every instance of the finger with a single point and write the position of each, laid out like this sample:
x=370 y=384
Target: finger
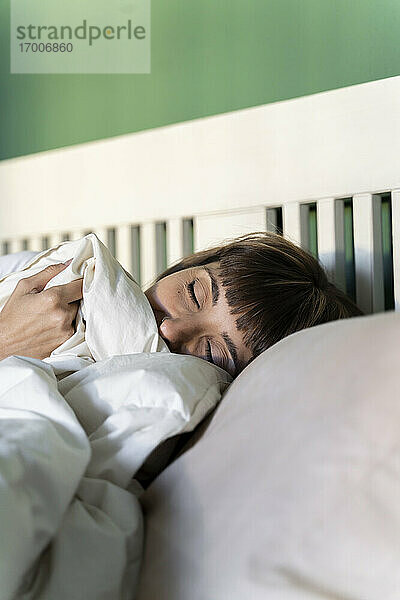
x=41 y=279
x=69 y=292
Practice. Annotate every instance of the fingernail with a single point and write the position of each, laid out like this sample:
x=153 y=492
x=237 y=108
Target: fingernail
x=68 y=262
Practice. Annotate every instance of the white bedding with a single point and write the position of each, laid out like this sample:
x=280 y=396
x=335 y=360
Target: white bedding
x=115 y=316
x=70 y=520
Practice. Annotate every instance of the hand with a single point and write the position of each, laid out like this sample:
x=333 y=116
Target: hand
x=34 y=322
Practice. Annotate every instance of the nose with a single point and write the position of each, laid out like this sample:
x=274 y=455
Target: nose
x=179 y=333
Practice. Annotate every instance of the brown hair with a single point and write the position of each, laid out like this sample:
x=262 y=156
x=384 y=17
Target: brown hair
x=275 y=287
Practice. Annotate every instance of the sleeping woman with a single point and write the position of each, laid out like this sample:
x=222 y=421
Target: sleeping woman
x=225 y=305
x=82 y=435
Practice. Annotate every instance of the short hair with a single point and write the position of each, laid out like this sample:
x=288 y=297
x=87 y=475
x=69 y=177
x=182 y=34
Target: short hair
x=275 y=287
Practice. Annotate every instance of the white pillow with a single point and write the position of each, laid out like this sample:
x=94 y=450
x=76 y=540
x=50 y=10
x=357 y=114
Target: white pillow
x=293 y=492
x=16 y=261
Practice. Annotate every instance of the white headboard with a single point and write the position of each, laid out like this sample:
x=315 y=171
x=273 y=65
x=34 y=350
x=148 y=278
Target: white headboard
x=326 y=168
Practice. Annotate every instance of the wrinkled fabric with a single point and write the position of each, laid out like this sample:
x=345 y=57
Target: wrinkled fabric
x=70 y=521
x=63 y=535
x=114 y=317
x=76 y=428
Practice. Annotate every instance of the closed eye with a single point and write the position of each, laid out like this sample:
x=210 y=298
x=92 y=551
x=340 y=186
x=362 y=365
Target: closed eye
x=217 y=357
x=192 y=294
x=209 y=353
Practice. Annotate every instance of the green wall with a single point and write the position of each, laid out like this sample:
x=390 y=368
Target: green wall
x=208 y=57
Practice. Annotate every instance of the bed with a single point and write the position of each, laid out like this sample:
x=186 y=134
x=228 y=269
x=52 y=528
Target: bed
x=291 y=489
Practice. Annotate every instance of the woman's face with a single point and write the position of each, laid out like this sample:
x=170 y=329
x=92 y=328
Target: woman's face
x=193 y=317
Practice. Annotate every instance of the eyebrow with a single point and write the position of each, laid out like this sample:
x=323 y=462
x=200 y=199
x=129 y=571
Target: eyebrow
x=227 y=339
x=214 y=286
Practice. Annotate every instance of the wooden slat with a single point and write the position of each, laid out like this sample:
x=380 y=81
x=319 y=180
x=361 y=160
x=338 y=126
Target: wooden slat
x=174 y=240
x=396 y=246
x=35 y=243
x=123 y=246
x=326 y=227
x=331 y=250
x=295 y=223
x=14 y=246
x=101 y=233
x=291 y=222
x=147 y=254
x=368 y=252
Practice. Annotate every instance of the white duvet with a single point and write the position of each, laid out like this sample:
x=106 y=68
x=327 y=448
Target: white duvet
x=115 y=316
x=70 y=444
